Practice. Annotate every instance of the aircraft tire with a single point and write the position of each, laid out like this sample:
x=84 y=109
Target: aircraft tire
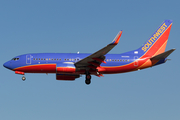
x=88 y=77
x=88 y=81
x=23 y=78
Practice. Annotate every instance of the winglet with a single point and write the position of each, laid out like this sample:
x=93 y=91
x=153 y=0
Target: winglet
x=116 y=39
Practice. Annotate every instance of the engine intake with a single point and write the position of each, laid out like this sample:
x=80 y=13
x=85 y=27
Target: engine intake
x=65 y=68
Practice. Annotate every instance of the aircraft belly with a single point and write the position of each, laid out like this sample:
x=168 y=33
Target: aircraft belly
x=119 y=69
x=38 y=68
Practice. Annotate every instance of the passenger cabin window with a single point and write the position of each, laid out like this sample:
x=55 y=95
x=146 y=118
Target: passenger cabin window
x=117 y=60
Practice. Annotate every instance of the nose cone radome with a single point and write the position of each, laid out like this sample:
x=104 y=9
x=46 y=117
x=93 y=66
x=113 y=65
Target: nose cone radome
x=7 y=65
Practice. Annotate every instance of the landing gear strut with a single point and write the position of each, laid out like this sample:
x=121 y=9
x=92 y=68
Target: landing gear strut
x=88 y=79
x=23 y=78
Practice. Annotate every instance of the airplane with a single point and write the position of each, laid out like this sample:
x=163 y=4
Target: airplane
x=69 y=66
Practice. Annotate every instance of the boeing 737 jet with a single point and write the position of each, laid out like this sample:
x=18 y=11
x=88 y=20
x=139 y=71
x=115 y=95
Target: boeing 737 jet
x=71 y=66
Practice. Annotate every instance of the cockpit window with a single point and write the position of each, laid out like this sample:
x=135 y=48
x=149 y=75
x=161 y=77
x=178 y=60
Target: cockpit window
x=15 y=59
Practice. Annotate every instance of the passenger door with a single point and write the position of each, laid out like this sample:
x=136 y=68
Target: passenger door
x=28 y=59
x=136 y=61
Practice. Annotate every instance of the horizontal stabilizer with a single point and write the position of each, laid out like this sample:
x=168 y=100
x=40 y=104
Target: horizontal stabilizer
x=162 y=55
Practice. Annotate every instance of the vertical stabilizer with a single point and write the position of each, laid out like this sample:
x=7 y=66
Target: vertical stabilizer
x=156 y=44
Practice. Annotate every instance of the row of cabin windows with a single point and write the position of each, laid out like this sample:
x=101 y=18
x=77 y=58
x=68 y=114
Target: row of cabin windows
x=118 y=60
x=59 y=59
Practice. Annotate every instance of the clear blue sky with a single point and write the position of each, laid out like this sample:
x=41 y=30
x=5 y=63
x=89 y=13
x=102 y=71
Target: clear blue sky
x=70 y=26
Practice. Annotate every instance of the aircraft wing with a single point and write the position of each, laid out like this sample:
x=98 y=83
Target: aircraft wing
x=94 y=60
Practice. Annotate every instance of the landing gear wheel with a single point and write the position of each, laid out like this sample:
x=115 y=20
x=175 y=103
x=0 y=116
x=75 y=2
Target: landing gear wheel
x=87 y=82
x=88 y=79
x=23 y=78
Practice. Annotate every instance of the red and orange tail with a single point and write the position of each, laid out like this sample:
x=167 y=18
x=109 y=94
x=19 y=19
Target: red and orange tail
x=156 y=44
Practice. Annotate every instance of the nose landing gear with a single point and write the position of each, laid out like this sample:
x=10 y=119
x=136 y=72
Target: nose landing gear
x=21 y=73
x=23 y=78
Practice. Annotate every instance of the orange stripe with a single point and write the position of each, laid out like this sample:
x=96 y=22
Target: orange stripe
x=161 y=49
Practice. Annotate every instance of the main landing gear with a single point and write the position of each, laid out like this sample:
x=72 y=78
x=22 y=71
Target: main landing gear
x=88 y=79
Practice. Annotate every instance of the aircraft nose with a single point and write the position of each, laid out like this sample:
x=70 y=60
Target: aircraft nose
x=7 y=65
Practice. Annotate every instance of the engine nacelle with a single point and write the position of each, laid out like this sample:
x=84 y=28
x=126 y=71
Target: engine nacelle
x=66 y=76
x=65 y=68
